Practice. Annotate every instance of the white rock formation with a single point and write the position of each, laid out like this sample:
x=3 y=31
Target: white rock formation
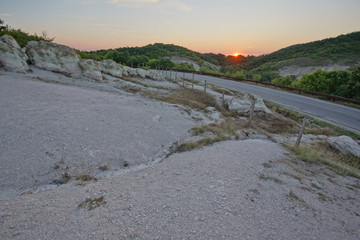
x=345 y=145
x=12 y=58
x=242 y=103
x=131 y=71
x=54 y=57
x=112 y=68
x=91 y=69
x=9 y=40
x=141 y=72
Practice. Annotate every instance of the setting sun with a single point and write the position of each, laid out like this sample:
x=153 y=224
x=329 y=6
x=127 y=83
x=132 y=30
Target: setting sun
x=236 y=54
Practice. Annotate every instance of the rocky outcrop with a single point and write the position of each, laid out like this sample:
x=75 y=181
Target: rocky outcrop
x=10 y=40
x=241 y=103
x=141 y=72
x=111 y=68
x=62 y=59
x=54 y=57
x=91 y=69
x=12 y=58
x=345 y=145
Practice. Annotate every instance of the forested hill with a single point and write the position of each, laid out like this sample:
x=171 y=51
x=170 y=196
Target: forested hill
x=343 y=47
x=138 y=55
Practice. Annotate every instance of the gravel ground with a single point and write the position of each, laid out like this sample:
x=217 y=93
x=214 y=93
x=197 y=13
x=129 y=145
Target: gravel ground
x=249 y=189
x=50 y=130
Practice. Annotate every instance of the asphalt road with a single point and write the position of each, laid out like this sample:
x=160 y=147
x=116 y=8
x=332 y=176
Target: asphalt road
x=338 y=114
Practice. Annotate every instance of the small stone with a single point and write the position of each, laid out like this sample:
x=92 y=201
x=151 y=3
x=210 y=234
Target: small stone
x=316 y=184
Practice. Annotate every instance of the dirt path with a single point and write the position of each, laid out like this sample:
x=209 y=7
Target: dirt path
x=249 y=189
x=50 y=130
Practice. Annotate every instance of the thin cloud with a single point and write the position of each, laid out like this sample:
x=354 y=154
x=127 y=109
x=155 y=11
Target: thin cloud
x=6 y=14
x=155 y=4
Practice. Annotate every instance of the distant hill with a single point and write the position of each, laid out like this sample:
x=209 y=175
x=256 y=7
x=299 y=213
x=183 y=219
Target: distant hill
x=149 y=53
x=341 y=50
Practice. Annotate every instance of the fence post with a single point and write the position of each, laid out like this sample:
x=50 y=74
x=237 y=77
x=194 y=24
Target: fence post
x=193 y=76
x=301 y=132
x=170 y=73
x=192 y=86
x=252 y=107
x=183 y=83
x=205 y=86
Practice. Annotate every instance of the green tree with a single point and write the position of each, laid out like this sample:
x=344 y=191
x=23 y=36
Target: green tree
x=285 y=81
x=240 y=74
x=2 y=27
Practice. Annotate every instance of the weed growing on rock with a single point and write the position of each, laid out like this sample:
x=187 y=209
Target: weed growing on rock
x=85 y=177
x=91 y=204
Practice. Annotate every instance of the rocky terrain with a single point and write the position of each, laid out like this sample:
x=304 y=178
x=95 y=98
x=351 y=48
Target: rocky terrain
x=97 y=150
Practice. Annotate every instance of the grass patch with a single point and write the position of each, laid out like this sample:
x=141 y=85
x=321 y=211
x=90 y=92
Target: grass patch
x=192 y=98
x=296 y=116
x=314 y=126
x=335 y=129
x=270 y=178
x=201 y=143
x=91 y=204
x=321 y=153
x=85 y=177
x=223 y=90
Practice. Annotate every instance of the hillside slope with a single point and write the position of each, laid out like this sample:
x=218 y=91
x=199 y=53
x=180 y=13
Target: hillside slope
x=339 y=52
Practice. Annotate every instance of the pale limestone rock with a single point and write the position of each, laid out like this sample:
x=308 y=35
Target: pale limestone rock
x=91 y=69
x=12 y=58
x=141 y=72
x=111 y=68
x=345 y=145
x=241 y=103
x=10 y=40
x=54 y=57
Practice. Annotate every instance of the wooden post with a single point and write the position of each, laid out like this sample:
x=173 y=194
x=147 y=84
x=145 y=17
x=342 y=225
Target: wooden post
x=192 y=86
x=252 y=107
x=223 y=97
x=301 y=132
x=183 y=83
x=205 y=86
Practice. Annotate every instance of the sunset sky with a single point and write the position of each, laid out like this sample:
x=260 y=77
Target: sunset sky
x=219 y=26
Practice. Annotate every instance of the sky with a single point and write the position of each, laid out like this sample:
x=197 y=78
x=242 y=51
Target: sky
x=249 y=27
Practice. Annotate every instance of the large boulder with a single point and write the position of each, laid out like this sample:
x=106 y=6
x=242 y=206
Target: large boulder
x=9 y=40
x=141 y=72
x=152 y=74
x=241 y=103
x=12 y=58
x=91 y=69
x=130 y=71
x=54 y=57
x=111 y=68
x=345 y=145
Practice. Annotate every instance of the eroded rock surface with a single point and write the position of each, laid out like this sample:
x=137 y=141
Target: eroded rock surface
x=12 y=58
x=54 y=57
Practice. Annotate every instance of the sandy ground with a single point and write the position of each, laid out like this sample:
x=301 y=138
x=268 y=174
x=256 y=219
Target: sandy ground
x=250 y=189
x=49 y=130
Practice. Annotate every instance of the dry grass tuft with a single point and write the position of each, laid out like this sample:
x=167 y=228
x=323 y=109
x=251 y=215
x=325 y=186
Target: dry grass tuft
x=193 y=98
x=322 y=153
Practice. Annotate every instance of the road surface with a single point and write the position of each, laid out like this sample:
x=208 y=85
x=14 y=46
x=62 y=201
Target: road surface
x=338 y=114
